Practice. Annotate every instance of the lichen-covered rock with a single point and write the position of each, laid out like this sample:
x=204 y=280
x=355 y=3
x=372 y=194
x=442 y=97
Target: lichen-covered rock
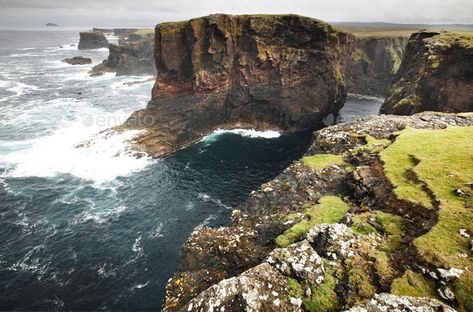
x=299 y=261
x=436 y=75
x=375 y=64
x=92 y=40
x=261 y=288
x=389 y=302
x=77 y=60
x=282 y=72
x=334 y=241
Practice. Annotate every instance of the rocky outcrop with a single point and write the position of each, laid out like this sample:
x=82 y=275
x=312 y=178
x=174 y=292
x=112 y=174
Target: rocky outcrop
x=131 y=58
x=77 y=60
x=253 y=71
x=92 y=40
x=350 y=262
x=436 y=74
x=376 y=62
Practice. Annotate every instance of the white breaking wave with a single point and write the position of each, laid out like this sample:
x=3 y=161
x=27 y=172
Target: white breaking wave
x=21 y=88
x=207 y=198
x=251 y=133
x=205 y=223
x=106 y=157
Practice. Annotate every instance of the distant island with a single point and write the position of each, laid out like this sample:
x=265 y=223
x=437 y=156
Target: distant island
x=52 y=25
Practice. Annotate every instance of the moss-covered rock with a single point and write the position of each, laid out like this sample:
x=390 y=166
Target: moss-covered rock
x=436 y=74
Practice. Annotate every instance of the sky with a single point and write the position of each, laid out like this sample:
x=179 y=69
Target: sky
x=141 y=13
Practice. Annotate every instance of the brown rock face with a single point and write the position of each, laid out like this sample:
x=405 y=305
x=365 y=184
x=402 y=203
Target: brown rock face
x=282 y=72
x=92 y=40
x=376 y=62
x=436 y=75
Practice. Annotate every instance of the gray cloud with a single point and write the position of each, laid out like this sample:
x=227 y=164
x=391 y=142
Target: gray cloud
x=30 y=13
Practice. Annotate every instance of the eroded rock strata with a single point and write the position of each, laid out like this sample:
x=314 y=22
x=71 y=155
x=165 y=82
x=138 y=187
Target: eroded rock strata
x=92 y=40
x=134 y=57
x=375 y=64
x=283 y=72
x=359 y=223
x=436 y=74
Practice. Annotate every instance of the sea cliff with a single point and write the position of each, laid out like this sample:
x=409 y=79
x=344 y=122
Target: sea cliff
x=436 y=74
x=283 y=72
x=375 y=64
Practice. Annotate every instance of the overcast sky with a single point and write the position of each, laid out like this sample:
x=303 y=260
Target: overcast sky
x=71 y=13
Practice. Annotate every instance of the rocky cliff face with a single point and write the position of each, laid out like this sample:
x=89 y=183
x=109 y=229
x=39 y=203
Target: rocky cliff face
x=376 y=62
x=353 y=220
x=260 y=71
x=436 y=74
x=92 y=40
x=135 y=57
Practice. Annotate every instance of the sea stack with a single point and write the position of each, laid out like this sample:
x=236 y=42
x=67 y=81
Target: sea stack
x=92 y=40
x=282 y=72
x=436 y=74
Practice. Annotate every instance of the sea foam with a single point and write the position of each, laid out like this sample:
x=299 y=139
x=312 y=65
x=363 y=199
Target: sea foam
x=250 y=133
x=103 y=159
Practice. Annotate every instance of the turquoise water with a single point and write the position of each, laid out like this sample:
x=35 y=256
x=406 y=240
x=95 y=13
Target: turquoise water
x=92 y=227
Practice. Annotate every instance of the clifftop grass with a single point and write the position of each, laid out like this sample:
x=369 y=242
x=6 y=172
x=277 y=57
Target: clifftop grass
x=439 y=161
x=320 y=161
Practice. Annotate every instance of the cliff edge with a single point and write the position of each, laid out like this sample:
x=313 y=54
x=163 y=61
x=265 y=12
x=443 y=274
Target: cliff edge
x=436 y=74
x=284 y=72
x=366 y=221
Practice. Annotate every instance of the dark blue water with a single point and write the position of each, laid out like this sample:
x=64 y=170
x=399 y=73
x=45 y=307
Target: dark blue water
x=93 y=228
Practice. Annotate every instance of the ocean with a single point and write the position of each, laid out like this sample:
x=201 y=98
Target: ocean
x=90 y=227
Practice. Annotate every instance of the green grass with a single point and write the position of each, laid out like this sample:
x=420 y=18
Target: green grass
x=393 y=226
x=330 y=209
x=144 y=32
x=295 y=288
x=320 y=161
x=461 y=38
x=324 y=297
x=361 y=226
x=443 y=161
x=372 y=145
x=414 y=285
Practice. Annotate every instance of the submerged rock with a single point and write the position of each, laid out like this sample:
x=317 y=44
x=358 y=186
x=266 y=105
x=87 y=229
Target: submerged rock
x=283 y=72
x=77 y=60
x=436 y=74
x=92 y=40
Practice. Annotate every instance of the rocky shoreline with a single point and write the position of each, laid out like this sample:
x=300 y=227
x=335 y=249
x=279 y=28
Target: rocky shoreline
x=371 y=250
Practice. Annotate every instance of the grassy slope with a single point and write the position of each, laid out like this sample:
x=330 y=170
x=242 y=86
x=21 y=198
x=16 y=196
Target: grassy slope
x=443 y=161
